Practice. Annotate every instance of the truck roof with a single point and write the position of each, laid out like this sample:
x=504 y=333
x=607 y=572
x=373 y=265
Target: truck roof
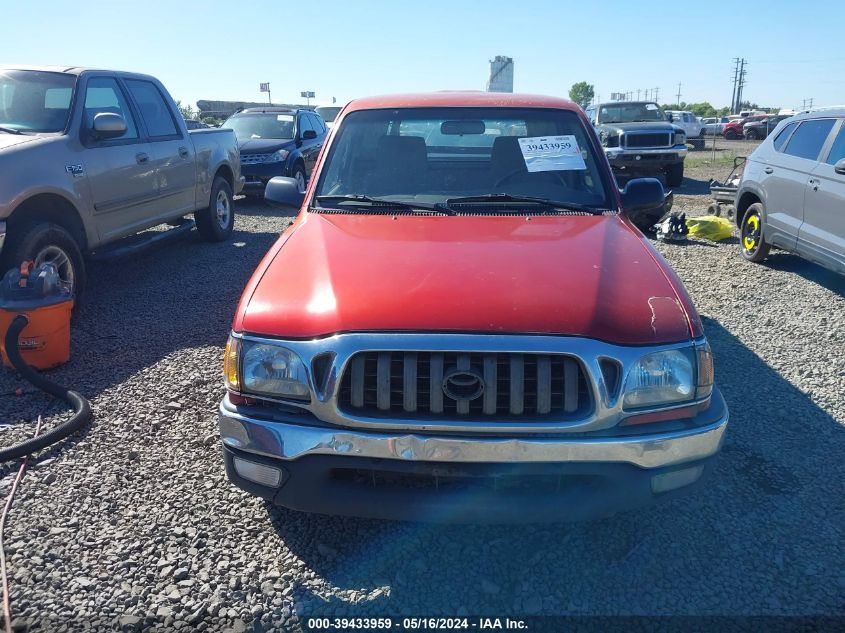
x=72 y=70
x=460 y=98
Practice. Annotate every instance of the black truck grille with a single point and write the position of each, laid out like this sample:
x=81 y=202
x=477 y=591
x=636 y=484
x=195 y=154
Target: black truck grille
x=651 y=139
x=417 y=385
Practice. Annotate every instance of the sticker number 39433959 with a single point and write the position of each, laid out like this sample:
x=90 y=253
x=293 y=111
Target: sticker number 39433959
x=551 y=153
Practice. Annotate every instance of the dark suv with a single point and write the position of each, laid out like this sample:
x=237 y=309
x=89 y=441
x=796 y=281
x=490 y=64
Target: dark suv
x=277 y=142
x=758 y=130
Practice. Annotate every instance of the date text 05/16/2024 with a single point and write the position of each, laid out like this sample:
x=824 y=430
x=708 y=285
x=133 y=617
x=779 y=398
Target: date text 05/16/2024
x=415 y=624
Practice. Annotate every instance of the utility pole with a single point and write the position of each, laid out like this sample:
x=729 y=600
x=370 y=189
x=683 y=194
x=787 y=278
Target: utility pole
x=679 y=94
x=656 y=95
x=741 y=84
x=736 y=78
x=639 y=90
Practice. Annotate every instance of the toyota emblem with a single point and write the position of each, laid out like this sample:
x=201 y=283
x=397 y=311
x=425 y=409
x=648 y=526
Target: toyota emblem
x=463 y=384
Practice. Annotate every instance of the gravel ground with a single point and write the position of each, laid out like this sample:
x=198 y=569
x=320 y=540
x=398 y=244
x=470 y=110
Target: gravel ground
x=133 y=524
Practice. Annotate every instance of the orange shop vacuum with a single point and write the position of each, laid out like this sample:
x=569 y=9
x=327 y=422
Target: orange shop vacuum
x=35 y=311
x=39 y=295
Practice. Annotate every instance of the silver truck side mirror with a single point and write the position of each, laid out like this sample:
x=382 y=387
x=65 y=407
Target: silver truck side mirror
x=109 y=125
x=839 y=167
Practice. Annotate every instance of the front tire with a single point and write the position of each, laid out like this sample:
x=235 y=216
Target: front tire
x=751 y=135
x=675 y=175
x=216 y=222
x=731 y=135
x=45 y=242
x=751 y=242
x=299 y=177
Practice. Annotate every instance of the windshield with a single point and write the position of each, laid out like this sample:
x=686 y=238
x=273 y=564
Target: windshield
x=431 y=155
x=630 y=113
x=329 y=113
x=261 y=125
x=35 y=102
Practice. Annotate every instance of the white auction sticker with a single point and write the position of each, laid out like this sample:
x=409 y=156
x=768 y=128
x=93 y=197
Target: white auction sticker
x=284 y=117
x=551 y=153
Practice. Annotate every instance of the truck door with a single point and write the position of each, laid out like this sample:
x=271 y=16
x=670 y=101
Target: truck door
x=171 y=152
x=822 y=235
x=119 y=171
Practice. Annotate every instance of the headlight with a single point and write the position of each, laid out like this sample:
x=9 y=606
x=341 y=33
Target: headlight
x=277 y=157
x=660 y=378
x=608 y=139
x=680 y=138
x=265 y=369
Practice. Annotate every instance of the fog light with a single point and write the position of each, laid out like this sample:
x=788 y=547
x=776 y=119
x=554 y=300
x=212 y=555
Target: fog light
x=259 y=473
x=675 y=479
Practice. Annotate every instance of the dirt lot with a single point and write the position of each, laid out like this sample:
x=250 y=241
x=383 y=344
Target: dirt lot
x=133 y=524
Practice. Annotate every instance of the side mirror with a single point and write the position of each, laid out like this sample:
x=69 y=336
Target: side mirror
x=669 y=117
x=644 y=202
x=284 y=193
x=109 y=125
x=839 y=167
x=307 y=135
x=642 y=193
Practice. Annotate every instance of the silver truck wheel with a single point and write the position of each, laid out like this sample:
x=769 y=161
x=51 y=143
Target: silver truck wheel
x=224 y=210
x=216 y=221
x=45 y=242
x=53 y=254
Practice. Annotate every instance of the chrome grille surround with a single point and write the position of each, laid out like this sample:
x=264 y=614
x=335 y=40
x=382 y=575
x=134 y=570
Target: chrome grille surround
x=422 y=385
x=605 y=413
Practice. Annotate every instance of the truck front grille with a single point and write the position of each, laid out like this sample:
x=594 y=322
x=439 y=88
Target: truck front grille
x=465 y=385
x=648 y=139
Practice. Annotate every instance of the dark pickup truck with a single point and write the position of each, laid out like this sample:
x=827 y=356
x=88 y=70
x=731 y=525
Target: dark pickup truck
x=639 y=139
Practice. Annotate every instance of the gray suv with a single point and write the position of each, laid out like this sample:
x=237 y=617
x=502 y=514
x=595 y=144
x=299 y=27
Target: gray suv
x=792 y=193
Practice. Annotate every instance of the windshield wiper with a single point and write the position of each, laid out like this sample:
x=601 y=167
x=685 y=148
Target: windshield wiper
x=547 y=202
x=9 y=130
x=383 y=202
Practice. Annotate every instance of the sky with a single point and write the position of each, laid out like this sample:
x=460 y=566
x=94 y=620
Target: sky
x=346 y=49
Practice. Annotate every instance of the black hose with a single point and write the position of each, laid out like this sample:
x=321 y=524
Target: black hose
x=81 y=406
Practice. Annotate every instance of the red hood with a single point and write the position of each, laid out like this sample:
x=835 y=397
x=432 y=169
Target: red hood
x=582 y=276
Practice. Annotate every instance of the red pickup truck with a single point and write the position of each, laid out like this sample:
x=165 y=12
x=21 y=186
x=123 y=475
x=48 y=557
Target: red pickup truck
x=463 y=324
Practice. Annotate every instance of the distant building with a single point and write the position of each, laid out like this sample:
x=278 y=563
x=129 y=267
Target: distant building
x=501 y=74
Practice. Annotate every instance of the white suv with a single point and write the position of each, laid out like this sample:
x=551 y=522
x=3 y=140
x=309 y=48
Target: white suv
x=792 y=192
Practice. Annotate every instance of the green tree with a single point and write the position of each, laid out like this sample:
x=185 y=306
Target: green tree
x=582 y=93
x=187 y=110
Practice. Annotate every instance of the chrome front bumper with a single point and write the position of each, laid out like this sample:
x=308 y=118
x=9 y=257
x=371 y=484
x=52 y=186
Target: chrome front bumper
x=289 y=440
x=617 y=153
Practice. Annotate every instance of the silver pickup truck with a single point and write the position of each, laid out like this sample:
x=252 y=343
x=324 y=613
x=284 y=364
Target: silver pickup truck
x=88 y=157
